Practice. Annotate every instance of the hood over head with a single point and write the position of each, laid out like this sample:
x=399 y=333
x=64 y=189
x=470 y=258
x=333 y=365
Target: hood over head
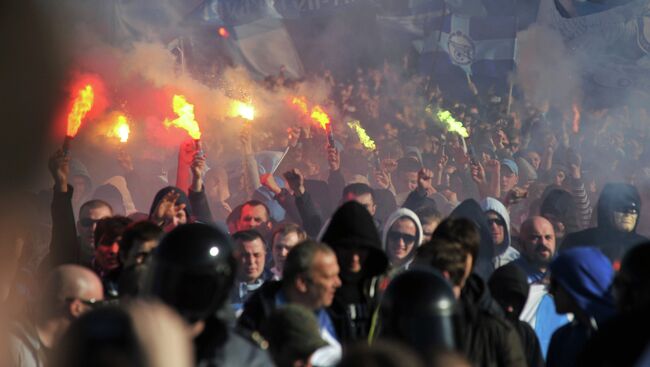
x=110 y=194
x=471 y=210
x=491 y=204
x=182 y=199
x=509 y=287
x=587 y=275
x=352 y=225
x=79 y=169
x=394 y=217
x=613 y=197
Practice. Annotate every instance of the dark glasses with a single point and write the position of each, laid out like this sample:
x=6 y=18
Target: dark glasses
x=396 y=236
x=499 y=222
x=94 y=303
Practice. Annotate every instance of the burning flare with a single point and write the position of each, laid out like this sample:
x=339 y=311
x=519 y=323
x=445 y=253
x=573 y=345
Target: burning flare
x=365 y=140
x=120 y=130
x=318 y=115
x=451 y=124
x=301 y=103
x=243 y=110
x=82 y=104
x=185 y=120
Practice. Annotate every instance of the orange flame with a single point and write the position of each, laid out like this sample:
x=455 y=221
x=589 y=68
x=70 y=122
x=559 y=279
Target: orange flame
x=576 y=118
x=120 y=130
x=82 y=104
x=185 y=120
x=318 y=115
x=223 y=32
x=301 y=103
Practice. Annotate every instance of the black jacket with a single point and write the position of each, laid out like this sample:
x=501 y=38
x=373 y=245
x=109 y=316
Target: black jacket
x=612 y=242
x=259 y=306
x=488 y=340
x=354 y=303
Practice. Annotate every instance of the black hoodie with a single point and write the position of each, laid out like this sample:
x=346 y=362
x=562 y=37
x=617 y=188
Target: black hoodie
x=612 y=242
x=182 y=199
x=354 y=303
x=471 y=210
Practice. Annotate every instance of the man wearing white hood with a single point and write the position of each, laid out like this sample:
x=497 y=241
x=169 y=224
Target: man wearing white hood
x=401 y=235
x=499 y=222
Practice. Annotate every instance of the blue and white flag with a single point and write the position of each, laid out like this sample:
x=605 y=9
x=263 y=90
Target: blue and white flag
x=478 y=45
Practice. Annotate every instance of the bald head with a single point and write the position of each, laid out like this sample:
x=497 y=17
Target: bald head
x=73 y=282
x=538 y=241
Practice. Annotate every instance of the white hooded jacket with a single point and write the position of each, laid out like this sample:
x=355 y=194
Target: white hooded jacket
x=394 y=217
x=503 y=253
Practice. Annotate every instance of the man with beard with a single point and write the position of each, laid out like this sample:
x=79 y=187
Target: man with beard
x=354 y=238
x=537 y=244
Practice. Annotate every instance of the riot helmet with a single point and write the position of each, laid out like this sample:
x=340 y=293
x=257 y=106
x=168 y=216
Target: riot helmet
x=417 y=309
x=193 y=270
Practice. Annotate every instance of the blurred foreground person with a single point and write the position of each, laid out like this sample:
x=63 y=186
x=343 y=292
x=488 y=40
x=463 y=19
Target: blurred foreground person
x=622 y=340
x=193 y=271
x=381 y=354
x=418 y=310
x=139 y=335
x=580 y=284
x=293 y=336
x=138 y=241
x=69 y=292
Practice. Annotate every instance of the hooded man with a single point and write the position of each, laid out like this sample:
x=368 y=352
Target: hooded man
x=354 y=238
x=619 y=208
x=581 y=281
x=170 y=208
x=499 y=222
x=471 y=210
x=401 y=236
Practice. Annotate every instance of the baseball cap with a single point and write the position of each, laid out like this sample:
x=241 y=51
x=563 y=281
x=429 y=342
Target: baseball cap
x=511 y=165
x=294 y=330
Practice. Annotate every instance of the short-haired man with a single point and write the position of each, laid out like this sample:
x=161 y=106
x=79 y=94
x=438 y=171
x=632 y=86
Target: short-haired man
x=106 y=262
x=69 y=292
x=310 y=279
x=284 y=238
x=484 y=338
x=537 y=245
x=362 y=194
x=251 y=256
x=430 y=217
x=254 y=215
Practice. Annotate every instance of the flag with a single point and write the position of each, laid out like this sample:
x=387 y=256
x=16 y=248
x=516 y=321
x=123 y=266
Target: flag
x=477 y=45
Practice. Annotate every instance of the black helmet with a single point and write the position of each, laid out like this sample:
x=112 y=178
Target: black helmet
x=417 y=309
x=193 y=270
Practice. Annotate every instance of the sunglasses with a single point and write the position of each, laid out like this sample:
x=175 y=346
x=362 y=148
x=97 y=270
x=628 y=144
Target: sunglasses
x=396 y=236
x=627 y=210
x=499 y=222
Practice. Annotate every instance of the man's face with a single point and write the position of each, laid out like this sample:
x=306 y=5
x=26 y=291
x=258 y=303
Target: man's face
x=534 y=159
x=427 y=229
x=88 y=219
x=365 y=200
x=406 y=181
x=281 y=246
x=401 y=239
x=539 y=242
x=508 y=179
x=106 y=253
x=253 y=255
x=497 y=228
x=324 y=279
x=625 y=221
x=514 y=145
x=252 y=217
x=352 y=258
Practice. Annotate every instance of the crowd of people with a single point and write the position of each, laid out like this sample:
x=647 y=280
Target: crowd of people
x=520 y=244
